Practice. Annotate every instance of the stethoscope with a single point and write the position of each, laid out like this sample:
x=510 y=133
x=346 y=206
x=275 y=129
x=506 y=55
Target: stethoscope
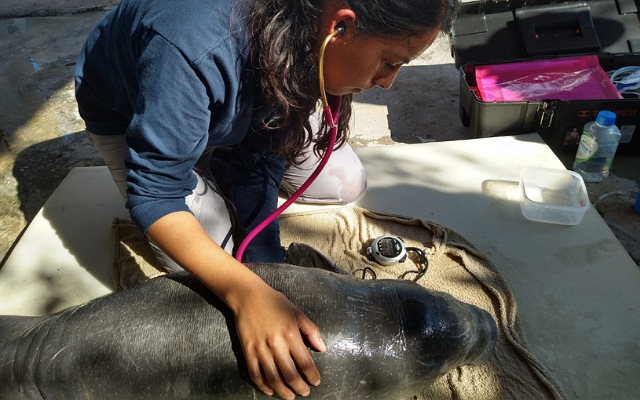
x=332 y=116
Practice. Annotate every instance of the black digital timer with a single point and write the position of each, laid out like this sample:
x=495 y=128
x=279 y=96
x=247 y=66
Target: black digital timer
x=387 y=250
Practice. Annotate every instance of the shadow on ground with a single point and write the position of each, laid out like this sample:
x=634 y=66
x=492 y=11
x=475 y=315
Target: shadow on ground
x=40 y=168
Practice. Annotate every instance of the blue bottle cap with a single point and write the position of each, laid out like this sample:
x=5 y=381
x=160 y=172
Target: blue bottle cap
x=606 y=118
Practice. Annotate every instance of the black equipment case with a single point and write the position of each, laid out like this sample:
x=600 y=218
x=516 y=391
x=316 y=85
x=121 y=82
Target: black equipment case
x=493 y=32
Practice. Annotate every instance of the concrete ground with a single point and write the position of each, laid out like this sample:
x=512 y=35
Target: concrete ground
x=41 y=132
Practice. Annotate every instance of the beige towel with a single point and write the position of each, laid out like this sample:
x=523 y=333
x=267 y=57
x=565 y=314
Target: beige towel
x=133 y=259
x=455 y=267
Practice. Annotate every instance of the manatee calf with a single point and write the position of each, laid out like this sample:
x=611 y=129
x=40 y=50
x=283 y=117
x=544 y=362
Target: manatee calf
x=169 y=338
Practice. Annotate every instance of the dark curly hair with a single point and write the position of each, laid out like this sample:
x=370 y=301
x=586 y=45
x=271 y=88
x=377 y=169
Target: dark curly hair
x=283 y=35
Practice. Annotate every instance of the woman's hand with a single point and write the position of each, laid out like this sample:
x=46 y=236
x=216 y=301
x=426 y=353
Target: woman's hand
x=271 y=330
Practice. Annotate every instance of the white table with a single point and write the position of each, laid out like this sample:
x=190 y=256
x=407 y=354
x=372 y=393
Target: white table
x=577 y=288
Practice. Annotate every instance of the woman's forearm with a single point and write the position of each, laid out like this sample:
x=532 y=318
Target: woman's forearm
x=182 y=238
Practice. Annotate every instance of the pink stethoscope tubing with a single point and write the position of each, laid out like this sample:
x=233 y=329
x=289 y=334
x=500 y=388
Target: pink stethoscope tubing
x=332 y=116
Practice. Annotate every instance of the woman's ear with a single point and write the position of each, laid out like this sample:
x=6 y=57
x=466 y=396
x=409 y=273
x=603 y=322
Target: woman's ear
x=343 y=19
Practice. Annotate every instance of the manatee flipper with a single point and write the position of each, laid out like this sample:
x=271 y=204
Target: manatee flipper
x=303 y=255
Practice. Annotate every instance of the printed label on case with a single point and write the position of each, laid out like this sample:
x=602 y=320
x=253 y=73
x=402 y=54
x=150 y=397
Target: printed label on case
x=587 y=148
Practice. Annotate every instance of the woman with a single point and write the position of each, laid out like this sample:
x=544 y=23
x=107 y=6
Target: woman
x=198 y=106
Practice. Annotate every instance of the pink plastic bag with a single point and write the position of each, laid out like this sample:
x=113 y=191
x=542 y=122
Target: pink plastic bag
x=572 y=78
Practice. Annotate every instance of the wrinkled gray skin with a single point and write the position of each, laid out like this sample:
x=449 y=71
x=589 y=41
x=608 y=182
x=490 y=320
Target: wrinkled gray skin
x=169 y=338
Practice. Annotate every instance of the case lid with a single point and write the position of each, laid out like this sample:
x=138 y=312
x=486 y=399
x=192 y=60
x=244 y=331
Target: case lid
x=494 y=31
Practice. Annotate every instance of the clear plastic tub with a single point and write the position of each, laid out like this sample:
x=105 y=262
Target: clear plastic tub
x=556 y=196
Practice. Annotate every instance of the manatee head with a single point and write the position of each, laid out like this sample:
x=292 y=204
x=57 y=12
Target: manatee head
x=446 y=332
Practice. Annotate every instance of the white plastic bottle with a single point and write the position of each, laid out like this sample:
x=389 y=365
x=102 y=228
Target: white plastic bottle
x=597 y=147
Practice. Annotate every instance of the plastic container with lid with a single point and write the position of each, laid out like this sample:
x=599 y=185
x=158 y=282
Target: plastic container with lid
x=555 y=196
